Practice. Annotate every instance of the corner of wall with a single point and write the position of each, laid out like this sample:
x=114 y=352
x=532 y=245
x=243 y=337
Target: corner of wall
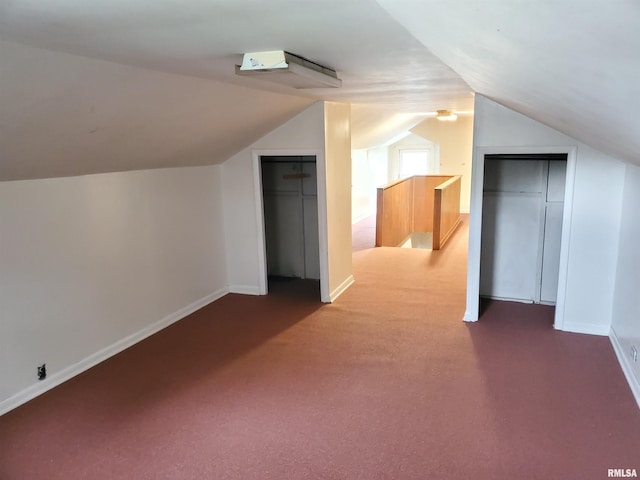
x=337 y=142
x=340 y=289
x=302 y=133
x=75 y=369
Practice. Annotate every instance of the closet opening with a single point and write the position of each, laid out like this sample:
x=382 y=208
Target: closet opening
x=290 y=212
x=523 y=199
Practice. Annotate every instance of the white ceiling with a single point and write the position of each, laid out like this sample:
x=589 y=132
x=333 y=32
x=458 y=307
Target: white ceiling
x=378 y=60
x=573 y=65
x=110 y=85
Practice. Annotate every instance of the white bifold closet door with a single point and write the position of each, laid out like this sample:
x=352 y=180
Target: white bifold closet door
x=521 y=229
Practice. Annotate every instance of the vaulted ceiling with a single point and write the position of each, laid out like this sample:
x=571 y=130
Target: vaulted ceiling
x=573 y=65
x=109 y=85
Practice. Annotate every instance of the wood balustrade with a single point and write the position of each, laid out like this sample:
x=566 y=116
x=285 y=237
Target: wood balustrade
x=422 y=203
x=446 y=210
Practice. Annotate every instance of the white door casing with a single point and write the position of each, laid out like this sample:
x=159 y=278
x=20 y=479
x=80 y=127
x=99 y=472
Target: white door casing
x=475 y=225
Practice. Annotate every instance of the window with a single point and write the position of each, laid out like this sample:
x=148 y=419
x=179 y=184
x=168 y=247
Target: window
x=415 y=162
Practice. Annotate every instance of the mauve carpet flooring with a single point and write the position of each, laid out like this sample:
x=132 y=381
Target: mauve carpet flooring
x=386 y=383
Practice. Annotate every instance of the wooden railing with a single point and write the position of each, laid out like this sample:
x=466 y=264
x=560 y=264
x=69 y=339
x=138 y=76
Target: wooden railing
x=394 y=218
x=446 y=211
x=424 y=203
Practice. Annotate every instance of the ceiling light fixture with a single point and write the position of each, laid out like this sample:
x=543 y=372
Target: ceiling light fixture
x=446 y=116
x=286 y=68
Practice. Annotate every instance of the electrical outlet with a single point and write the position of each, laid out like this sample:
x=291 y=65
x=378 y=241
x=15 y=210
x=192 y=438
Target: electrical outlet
x=634 y=353
x=42 y=371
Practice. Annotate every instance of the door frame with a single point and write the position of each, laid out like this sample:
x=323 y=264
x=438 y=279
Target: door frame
x=472 y=311
x=321 y=188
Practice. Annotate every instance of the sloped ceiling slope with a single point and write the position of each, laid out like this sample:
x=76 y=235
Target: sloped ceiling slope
x=65 y=115
x=574 y=65
x=377 y=59
x=70 y=106
x=374 y=125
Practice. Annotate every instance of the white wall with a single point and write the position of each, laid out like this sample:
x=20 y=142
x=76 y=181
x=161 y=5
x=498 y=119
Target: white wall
x=593 y=227
x=378 y=158
x=337 y=127
x=363 y=194
x=92 y=264
x=625 y=328
x=304 y=132
x=455 y=142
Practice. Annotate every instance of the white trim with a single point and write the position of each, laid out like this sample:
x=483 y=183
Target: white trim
x=323 y=225
x=567 y=215
x=586 y=328
x=323 y=236
x=470 y=316
x=262 y=246
x=509 y=299
x=472 y=311
x=626 y=365
x=245 y=289
x=342 y=287
x=85 y=364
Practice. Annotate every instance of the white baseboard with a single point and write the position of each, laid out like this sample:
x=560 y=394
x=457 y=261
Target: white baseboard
x=468 y=317
x=626 y=365
x=341 y=288
x=588 y=328
x=244 y=289
x=71 y=371
x=507 y=299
